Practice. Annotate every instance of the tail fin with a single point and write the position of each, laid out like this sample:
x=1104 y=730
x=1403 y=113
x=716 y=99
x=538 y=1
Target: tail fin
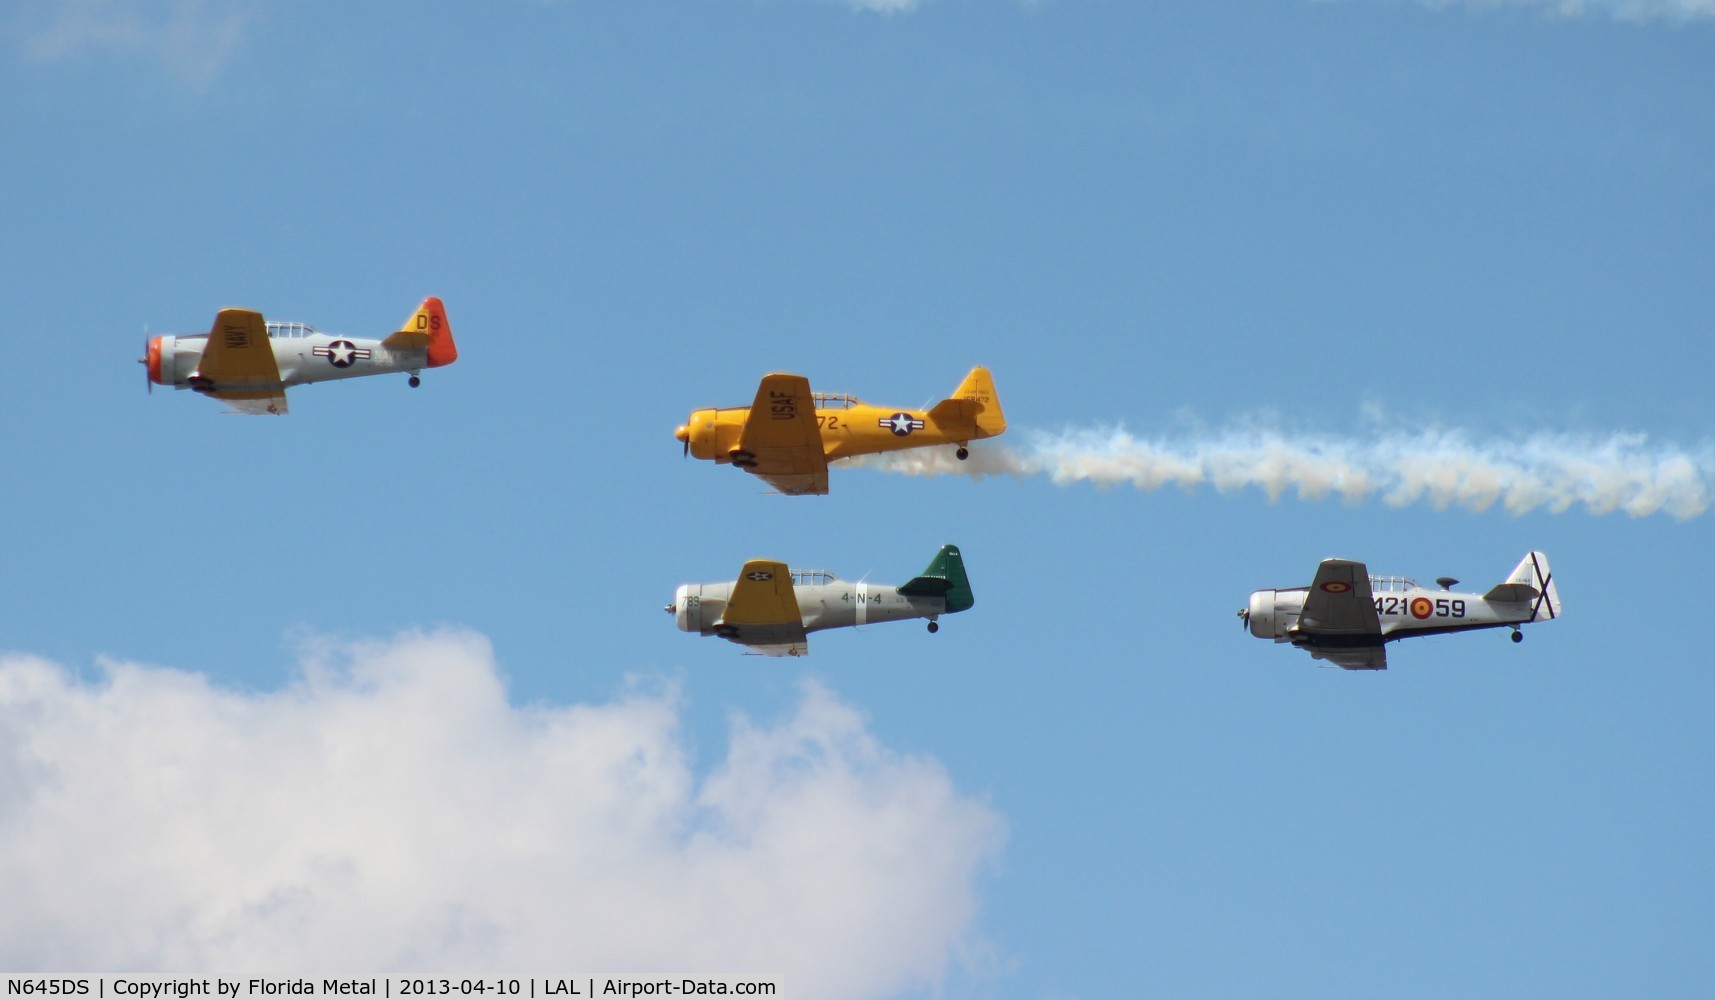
x=428 y=328
x=1531 y=581
x=975 y=402
x=945 y=577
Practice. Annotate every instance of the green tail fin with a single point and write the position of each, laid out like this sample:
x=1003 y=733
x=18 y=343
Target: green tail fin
x=946 y=578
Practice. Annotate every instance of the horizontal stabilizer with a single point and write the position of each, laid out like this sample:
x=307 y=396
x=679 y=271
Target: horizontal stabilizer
x=926 y=586
x=1511 y=593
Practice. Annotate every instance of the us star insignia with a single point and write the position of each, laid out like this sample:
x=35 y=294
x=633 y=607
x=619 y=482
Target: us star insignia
x=901 y=423
x=341 y=353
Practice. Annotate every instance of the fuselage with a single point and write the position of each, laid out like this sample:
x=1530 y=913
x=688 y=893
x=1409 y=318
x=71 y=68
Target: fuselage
x=824 y=601
x=304 y=354
x=847 y=426
x=1404 y=608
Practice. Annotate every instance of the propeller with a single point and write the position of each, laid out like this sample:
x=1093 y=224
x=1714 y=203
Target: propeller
x=148 y=383
x=1244 y=618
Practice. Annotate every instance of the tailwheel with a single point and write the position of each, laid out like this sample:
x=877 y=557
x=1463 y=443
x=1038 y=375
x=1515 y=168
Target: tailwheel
x=1518 y=636
x=963 y=453
x=934 y=626
x=414 y=382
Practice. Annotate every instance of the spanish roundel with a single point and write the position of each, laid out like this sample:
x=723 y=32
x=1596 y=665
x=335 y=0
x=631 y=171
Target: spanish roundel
x=1421 y=607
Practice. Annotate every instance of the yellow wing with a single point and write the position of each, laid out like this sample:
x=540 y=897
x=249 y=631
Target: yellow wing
x=780 y=441
x=763 y=610
x=238 y=365
x=763 y=595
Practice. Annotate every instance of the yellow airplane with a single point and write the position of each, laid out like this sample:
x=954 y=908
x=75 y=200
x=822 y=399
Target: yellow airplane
x=789 y=434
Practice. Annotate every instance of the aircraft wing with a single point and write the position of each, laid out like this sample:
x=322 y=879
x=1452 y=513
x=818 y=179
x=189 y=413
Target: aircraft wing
x=1354 y=657
x=1340 y=619
x=781 y=436
x=762 y=612
x=1339 y=603
x=239 y=364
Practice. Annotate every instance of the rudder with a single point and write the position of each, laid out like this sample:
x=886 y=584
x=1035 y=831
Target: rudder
x=944 y=577
x=1532 y=571
x=429 y=326
x=976 y=401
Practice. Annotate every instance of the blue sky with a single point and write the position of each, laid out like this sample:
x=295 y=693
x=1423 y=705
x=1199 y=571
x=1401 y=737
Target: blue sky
x=1334 y=224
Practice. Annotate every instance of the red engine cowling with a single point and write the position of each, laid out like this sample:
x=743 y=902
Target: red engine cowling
x=168 y=365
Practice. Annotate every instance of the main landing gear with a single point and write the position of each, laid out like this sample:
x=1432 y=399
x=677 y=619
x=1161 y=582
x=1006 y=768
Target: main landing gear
x=743 y=460
x=1518 y=636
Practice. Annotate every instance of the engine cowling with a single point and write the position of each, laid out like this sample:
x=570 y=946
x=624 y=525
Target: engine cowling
x=706 y=436
x=172 y=359
x=1272 y=613
x=1260 y=614
x=697 y=606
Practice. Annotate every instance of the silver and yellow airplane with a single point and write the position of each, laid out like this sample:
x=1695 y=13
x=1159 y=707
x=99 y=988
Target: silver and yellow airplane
x=1347 y=616
x=248 y=364
x=789 y=434
x=772 y=609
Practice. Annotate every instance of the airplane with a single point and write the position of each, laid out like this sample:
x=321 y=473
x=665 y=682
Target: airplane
x=1346 y=616
x=248 y=364
x=789 y=434
x=772 y=609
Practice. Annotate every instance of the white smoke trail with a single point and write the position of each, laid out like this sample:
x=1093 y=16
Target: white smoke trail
x=1555 y=472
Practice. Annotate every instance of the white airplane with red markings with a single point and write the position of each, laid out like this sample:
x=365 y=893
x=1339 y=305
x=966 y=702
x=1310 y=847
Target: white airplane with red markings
x=1346 y=616
x=248 y=363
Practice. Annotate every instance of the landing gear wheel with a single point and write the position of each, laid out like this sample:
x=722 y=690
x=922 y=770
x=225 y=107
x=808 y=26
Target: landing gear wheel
x=963 y=453
x=934 y=627
x=1518 y=636
x=414 y=382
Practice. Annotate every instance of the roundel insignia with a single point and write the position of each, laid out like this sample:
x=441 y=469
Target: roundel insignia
x=1336 y=586
x=759 y=576
x=901 y=424
x=341 y=353
x=1421 y=607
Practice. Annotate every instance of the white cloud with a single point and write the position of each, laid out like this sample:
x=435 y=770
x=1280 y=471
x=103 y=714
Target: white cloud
x=886 y=6
x=1555 y=472
x=1622 y=10
x=193 y=39
x=390 y=811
